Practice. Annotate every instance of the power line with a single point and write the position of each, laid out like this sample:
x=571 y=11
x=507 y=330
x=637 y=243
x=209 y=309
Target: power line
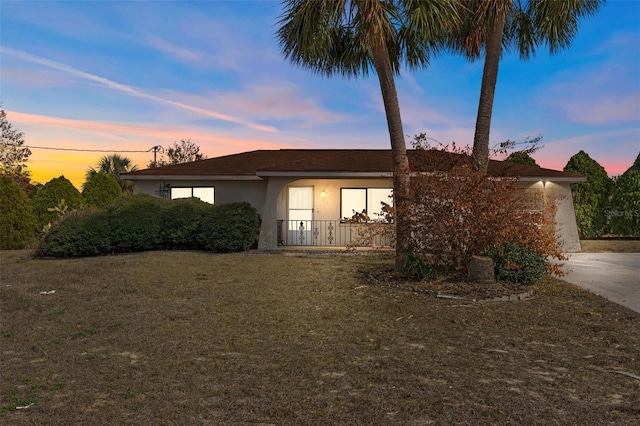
x=83 y=150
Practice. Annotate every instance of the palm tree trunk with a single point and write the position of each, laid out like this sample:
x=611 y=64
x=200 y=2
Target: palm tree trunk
x=401 y=178
x=480 y=156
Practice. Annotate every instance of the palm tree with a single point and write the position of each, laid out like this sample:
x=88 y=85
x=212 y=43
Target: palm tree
x=114 y=165
x=351 y=37
x=524 y=26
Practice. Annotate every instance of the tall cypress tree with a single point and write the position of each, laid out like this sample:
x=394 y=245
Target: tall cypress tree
x=590 y=198
x=624 y=207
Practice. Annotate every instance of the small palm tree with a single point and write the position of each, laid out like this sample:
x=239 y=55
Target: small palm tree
x=489 y=26
x=353 y=37
x=114 y=165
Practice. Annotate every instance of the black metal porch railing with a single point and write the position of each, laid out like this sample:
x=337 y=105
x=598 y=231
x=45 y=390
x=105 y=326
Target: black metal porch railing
x=333 y=233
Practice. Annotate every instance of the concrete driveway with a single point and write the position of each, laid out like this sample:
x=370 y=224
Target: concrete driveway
x=615 y=276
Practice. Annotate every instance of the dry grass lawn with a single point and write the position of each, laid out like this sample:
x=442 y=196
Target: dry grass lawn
x=617 y=246
x=195 y=338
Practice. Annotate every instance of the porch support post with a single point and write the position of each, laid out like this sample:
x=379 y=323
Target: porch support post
x=268 y=239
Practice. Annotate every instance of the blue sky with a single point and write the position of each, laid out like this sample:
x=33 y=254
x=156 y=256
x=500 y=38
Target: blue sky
x=128 y=75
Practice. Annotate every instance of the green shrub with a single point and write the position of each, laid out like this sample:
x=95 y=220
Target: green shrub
x=229 y=228
x=589 y=198
x=50 y=196
x=180 y=223
x=80 y=233
x=516 y=263
x=623 y=213
x=17 y=221
x=135 y=223
x=416 y=268
x=101 y=190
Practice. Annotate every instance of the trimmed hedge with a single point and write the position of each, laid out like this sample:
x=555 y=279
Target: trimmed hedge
x=135 y=223
x=142 y=223
x=180 y=221
x=229 y=228
x=517 y=264
x=17 y=221
x=80 y=233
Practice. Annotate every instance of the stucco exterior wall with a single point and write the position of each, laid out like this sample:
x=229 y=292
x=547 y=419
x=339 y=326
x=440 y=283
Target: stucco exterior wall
x=565 y=218
x=226 y=191
x=327 y=207
x=269 y=197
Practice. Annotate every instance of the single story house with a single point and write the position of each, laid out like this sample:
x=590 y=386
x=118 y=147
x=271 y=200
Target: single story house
x=303 y=195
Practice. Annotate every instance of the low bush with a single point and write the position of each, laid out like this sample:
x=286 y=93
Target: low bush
x=180 y=222
x=456 y=212
x=416 y=267
x=17 y=221
x=516 y=263
x=229 y=228
x=80 y=233
x=135 y=223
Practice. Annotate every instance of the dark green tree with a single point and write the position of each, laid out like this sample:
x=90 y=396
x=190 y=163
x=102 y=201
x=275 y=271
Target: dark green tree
x=520 y=157
x=590 y=198
x=623 y=213
x=56 y=196
x=13 y=154
x=184 y=151
x=101 y=190
x=114 y=165
x=17 y=221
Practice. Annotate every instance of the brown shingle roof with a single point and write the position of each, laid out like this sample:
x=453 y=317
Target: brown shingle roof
x=324 y=162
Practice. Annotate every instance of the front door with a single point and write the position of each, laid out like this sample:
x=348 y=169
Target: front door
x=300 y=225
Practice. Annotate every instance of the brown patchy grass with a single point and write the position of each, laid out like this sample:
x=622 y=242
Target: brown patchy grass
x=615 y=246
x=195 y=338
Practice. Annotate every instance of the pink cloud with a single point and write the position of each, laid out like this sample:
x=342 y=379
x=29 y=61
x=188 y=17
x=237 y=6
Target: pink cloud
x=54 y=132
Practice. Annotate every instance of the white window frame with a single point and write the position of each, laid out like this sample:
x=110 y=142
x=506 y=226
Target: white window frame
x=369 y=209
x=193 y=192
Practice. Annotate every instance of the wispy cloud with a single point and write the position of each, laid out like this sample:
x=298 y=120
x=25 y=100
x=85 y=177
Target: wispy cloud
x=279 y=100
x=131 y=90
x=596 y=97
x=144 y=135
x=172 y=50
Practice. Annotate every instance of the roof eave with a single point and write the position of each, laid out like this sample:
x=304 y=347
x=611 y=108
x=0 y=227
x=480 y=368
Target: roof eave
x=326 y=174
x=190 y=177
x=572 y=179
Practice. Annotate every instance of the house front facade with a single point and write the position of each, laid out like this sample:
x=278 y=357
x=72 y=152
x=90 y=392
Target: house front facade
x=306 y=196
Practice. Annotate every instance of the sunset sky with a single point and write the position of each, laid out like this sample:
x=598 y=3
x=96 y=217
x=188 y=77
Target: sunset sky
x=123 y=76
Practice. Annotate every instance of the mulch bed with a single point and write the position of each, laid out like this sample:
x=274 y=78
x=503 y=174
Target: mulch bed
x=451 y=285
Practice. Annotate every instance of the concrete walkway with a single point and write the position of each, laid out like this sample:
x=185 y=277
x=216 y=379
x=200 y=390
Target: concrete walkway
x=615 y=276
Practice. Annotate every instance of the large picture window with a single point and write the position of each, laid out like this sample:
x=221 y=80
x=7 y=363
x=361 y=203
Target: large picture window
x=205 y=193
x=364 y=200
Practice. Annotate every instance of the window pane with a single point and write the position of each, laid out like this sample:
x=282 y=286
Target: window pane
x=352 y=201
x=205 y=194
x=375 y=198
x=180 y=193
x=297 y=216
x=301 y=198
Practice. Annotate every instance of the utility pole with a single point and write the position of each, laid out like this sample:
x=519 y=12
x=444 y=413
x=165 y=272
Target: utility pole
x=155 y=152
